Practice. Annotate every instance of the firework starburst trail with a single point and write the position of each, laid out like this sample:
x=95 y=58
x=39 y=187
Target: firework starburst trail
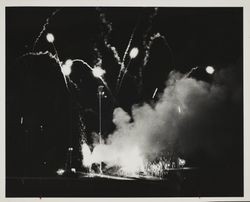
x=108 y=26
x=190 y=72
x=151 y=18
x=145 y=42
x=133 y=54
x=44 y=28
x=124 y=58
x=150 y=43
x=50 y=39
x=99 y=77
x=42 y=53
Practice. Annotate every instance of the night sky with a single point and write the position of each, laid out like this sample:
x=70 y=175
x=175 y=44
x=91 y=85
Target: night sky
x=35 y=87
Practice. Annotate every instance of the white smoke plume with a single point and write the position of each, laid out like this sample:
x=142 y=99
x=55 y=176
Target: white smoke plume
x=185 y=109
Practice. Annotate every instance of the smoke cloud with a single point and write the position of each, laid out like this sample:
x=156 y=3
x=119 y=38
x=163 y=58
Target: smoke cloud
x=190 y=117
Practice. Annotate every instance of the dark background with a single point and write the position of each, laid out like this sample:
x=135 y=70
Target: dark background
x=35 y=88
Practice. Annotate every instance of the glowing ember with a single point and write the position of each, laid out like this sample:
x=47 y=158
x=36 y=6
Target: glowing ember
x=87 y=157
x=134 y=52
x=98 y=72
x=181 y=162
x=60 y=171
x=50 y=38
x=210 y=70
x=73 y=170
x=66 y=68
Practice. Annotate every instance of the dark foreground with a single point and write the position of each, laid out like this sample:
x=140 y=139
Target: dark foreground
x=179 y=183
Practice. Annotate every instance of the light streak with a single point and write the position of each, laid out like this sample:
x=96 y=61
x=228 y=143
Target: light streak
x=133 y=53
x=44 y=27
x=108 y=25
x=151 y=18
x=190 y=72
x=43 y=53
x=155 y=93
x=99 y=77
x=123 y=61
x=150 y=43
x=179 y=109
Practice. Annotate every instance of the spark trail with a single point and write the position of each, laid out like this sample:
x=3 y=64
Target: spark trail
x=108 y=26
x=150 y=43
x=43 y=53
x=99 y=77
x=151 y=18
x=44 y=28
x=98 y=60
x=146 y=35
x=54 y=57
x=190 y=72
x=153 y=96
x=118 y=84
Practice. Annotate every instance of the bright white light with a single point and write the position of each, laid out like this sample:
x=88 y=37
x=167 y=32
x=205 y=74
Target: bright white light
x=73 y=170
x=69 y=62
x=181 y=162
x=179 y=109
x=66 y=68
x=210 y=70
x=60 y=171
x=98 y=72
x=134 y=52
x=87 y=158
x=50 y=38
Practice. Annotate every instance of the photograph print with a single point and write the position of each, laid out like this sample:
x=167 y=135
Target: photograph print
x=124 y=102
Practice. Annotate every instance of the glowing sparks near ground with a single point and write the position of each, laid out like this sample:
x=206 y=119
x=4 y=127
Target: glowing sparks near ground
x=210 y=70
x=73 y=170
x=60 y=171
x=181 y=162
x=98 y=72
x=50 y=37
x=133 y=53
x=87 y=158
